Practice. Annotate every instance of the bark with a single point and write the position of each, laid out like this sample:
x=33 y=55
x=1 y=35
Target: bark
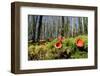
x=34 y=28
x=39 y=28
x=62 y=30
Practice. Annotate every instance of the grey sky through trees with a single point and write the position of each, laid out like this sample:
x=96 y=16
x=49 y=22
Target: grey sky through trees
x=45 y=27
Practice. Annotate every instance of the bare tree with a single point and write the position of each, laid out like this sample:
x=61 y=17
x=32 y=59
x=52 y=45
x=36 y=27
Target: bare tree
x=80 y=26
x=83 y=31
x=85 y=19
x=62 y=29
x=39 y=28
x=35 y=18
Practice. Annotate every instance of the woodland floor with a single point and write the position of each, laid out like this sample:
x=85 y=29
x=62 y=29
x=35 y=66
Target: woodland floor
x=63 y=48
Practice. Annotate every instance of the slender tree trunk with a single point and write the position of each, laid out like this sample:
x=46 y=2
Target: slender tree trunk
x=62 y=30
x=85 y=25
x=82 y=26
x=68 y=27
x=39 y=28
x=72 y=26
x=34 y=28
x=29 y=27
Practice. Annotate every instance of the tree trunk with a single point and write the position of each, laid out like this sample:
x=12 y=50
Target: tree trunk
x=39 y=28
x=34 y=28
x=85 y=24
x=82 y=26
x=62 y=30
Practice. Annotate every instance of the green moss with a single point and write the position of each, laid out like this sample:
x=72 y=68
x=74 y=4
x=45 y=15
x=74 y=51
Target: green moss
x=48 y=51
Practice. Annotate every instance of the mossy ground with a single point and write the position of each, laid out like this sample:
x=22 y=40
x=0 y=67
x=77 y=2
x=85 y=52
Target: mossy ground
x=48 y=51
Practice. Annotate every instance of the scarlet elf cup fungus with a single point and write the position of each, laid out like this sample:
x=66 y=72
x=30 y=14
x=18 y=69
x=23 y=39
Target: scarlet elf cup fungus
x=58 y=45
x=60 y=38
x=79 y=42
